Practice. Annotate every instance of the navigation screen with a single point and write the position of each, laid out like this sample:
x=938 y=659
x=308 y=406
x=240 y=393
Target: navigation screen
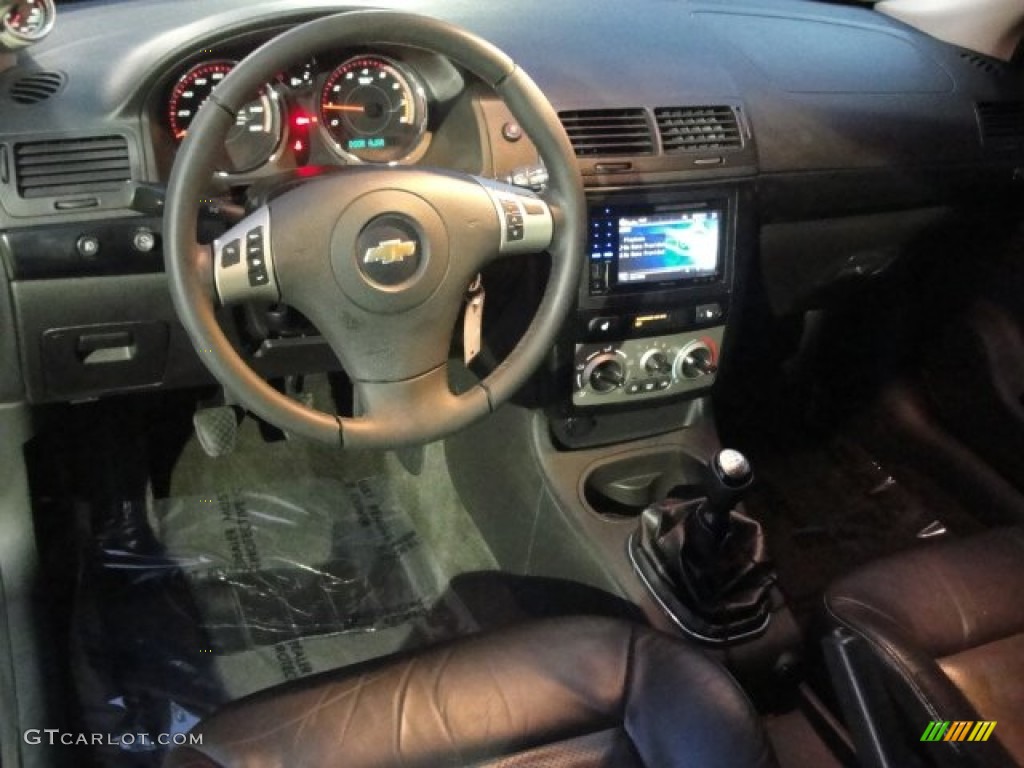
x=675 y=246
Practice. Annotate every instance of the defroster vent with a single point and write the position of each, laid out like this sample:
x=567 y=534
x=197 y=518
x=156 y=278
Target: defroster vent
x=984 y=63
x=608 y=132
x=696 y=129
x=71 y=166
x=37 y=87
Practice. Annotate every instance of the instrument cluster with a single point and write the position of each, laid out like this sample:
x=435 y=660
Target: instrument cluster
x=357 y=108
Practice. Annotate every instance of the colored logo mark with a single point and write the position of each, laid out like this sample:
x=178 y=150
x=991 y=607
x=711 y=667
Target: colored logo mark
x=959 y=730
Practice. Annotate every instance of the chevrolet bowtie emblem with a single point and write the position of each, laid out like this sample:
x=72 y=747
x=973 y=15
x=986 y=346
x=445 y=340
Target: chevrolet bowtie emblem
x=390 y=251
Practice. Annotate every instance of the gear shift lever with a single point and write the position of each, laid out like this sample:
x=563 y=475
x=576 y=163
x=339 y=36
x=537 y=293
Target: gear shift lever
x=727 y=478
x=705 y=561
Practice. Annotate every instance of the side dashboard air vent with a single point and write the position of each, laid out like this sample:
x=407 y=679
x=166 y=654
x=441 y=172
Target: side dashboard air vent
x=696 y=129
x=71 y=166
x=984 y=63
x=1001 y=124
x=606 y=132
x=37 y=87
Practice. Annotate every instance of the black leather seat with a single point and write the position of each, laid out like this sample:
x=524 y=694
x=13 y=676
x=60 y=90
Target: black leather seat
x=571 y=693
x=944 y=626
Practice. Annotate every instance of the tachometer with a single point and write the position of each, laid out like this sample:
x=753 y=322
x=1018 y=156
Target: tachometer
x=258 y=128
x=373 y=109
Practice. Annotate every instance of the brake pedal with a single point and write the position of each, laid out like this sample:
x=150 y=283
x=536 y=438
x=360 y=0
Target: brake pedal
x=217 y=428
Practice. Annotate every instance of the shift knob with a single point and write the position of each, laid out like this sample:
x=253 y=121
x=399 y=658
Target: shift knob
x=726 y=480
x=732 y=467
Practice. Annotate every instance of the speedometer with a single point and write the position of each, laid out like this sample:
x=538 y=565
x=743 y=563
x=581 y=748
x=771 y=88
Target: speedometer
x=373 y=110
x=258 y=128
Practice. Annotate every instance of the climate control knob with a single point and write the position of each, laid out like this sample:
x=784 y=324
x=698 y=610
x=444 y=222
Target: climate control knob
x=657 y=363
x=605 y=373
x=693 y=361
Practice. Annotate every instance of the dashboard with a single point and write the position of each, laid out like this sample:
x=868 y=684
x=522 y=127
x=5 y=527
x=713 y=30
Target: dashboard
x=785 y=142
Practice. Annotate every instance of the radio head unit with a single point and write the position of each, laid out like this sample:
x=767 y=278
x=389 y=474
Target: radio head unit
x=637 y=248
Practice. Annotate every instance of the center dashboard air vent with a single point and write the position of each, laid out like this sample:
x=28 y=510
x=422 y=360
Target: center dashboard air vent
x=609 y=132
x=71 y=166
x=698 y=129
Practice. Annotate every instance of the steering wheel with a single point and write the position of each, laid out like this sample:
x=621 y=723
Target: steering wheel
x=378 y=258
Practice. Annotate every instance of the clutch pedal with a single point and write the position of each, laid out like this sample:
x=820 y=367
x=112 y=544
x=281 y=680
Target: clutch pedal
x=217 y=428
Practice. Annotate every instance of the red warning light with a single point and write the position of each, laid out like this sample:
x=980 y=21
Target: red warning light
x=300 y=124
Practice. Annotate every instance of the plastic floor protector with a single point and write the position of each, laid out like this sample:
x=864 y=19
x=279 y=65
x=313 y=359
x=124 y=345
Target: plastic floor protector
x=186 y=603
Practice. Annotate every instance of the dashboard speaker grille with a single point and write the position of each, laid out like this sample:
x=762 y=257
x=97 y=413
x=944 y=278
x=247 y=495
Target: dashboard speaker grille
x=71 y=166
x=608 y=132
x=37 y=87
x=1001 y=124
x=696 y=129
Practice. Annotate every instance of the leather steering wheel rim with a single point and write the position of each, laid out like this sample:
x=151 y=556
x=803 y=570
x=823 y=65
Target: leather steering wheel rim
x=402 y=411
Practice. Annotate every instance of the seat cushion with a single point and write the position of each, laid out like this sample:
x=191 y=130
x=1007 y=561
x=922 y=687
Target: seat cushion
x=947 y=624
x=570 y=692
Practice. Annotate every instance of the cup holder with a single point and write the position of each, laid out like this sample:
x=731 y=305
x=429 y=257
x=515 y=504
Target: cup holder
x=623 y=486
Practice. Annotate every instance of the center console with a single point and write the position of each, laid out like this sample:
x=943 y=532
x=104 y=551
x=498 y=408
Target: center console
x=653 y=308
x=609 y=484
x=648 y=337
x=656 y=296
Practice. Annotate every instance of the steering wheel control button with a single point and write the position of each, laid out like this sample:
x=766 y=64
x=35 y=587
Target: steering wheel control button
x=254 y=257
x=525 y=220
x=390 y=251
x=231 y=254
x=243 y=264
x=88 y=246
x=513 y=219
